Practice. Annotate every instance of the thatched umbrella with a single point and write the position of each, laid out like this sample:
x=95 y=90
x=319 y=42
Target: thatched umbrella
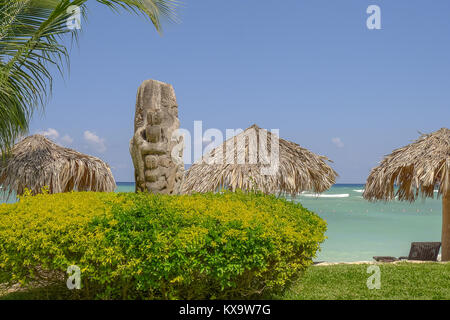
x=417 y=169
x=36 y=162
x=241 y=163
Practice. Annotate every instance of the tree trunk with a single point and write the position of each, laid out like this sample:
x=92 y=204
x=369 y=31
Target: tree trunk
x=445 y=250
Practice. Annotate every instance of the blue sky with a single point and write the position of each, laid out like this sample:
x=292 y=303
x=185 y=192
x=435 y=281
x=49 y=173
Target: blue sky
x=312 y=69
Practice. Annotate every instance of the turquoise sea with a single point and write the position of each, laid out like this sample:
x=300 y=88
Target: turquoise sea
x=358 y=229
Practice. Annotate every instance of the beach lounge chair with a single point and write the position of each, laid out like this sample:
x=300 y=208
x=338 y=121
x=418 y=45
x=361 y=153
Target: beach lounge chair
x=423 y=251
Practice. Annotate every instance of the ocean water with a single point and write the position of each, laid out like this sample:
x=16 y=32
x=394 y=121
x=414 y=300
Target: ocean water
x=358 y=229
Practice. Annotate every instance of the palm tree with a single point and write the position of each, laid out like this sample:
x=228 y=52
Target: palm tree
x=31 y=40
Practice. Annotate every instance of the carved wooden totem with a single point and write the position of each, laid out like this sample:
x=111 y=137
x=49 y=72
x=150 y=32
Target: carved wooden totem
x=156 y=147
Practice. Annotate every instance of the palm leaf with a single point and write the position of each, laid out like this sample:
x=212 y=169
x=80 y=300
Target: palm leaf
x=31 y=34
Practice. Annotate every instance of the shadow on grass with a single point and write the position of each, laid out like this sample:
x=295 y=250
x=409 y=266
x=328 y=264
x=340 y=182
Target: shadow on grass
x=403 y=281
x=51 y=292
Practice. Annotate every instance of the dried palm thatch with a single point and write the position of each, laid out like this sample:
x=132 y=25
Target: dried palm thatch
x=244 y=162
x=416 y=169
x=36 y=162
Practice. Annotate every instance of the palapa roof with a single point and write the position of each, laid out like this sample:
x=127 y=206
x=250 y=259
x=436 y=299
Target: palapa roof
x=417 y=168
x=299 y=169
x=36 y=162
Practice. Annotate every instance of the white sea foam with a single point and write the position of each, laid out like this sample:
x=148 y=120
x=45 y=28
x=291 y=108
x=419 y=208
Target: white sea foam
x=359 y=190
x=342 y=195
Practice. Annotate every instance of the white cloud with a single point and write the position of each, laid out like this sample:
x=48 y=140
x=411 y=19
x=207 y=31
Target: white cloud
x=54 y=135
x=95 y=141
x=66 y=139
x=337 y=142
x=120 y=166
x=50 y=133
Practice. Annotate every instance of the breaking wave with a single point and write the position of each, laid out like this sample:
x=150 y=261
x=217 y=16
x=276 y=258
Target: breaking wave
x=342 y=195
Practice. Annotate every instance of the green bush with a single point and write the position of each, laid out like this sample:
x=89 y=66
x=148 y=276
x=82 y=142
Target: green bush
x=128 y=246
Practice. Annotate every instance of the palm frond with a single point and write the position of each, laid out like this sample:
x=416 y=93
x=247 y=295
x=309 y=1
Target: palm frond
x=30 y=42
x=31 y=34
x=152 y=9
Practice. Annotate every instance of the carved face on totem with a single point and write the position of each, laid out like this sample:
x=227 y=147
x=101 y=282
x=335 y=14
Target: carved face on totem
x=158 y=109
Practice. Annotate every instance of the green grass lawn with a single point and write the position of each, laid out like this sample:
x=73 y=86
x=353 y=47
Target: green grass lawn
x=403 y=281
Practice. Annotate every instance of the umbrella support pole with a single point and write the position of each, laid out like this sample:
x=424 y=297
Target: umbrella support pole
x=445 y=250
